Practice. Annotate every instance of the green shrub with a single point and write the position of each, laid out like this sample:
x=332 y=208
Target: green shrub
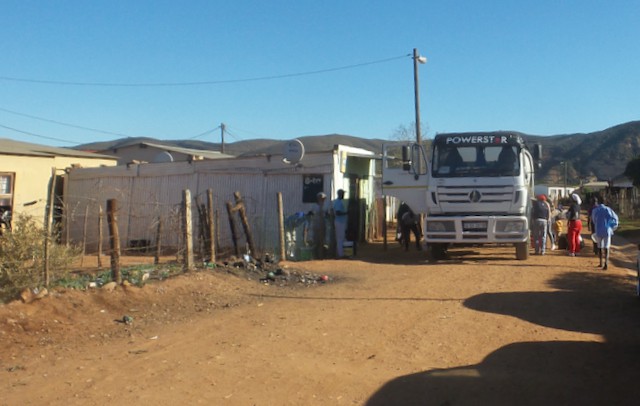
x=22 y=258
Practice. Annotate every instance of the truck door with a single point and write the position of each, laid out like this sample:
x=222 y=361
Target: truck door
x=404 y=174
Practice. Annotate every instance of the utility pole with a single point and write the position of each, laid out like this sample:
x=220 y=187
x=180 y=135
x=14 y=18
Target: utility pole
x=222 y=127
x=416 y=91
x=565 y=179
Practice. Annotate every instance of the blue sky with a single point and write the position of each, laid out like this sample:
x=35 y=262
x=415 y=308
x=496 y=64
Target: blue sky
x=81 y=71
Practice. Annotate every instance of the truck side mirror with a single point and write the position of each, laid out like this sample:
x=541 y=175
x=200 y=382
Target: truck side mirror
x=406 y=157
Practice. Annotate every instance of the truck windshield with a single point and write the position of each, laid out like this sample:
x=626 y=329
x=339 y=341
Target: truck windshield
x=475 y=161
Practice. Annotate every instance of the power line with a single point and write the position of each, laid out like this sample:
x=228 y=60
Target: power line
x=62 y=123
x=234 y=136
x=78 y=127
x=253 y=134
x=203 y=83
x=204 y=133
x=37 y=135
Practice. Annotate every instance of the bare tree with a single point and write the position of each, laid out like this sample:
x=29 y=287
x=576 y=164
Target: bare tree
x=408 y=132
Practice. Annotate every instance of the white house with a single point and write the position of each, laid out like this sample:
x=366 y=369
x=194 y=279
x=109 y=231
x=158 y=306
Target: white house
x=554 y=192
x=147 y=193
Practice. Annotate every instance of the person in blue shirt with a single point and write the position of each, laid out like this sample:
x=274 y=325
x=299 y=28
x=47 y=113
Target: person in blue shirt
x=340 y=222
x=604 y=221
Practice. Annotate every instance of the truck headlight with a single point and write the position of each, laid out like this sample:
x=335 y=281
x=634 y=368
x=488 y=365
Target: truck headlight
x=511 y=226
x=436 y=226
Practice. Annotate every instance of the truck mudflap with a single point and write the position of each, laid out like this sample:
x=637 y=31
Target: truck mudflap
x=476 y=229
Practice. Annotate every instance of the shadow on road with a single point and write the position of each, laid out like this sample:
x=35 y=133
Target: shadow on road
x=394 y=254
x=544 y=373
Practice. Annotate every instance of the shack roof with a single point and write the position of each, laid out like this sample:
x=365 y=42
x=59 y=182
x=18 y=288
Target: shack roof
x=13 y=147
x=171 y=148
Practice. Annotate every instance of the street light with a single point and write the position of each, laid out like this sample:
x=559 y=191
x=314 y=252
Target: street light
x=416 y=60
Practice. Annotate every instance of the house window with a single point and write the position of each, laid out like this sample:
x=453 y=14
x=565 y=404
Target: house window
x=6 y=199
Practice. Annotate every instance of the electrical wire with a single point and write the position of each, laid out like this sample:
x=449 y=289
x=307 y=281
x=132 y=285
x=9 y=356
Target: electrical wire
x=37 y=135
x=62 y=123
x=204 y=133
x=248 y=132
x=52 y=82
x=203 y=83
x=232 y=135
x=78 y=127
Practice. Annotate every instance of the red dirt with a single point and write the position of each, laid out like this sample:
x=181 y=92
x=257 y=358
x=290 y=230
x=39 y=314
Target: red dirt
x=387 y=328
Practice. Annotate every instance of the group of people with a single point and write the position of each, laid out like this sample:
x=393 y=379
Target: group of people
x=408 y=223
x=547 y=221
x=337 y=211
x=602 y=221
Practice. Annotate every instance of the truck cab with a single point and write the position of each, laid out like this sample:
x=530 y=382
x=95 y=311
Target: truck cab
x=477 y=189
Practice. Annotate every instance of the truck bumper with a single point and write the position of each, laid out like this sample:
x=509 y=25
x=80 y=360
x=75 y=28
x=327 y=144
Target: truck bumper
x=476 y=229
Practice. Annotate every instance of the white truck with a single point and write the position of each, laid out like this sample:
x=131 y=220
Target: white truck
x=476 y=188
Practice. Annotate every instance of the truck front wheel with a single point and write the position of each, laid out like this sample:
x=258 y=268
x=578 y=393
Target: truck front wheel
x=522 y=250
x=438 y=251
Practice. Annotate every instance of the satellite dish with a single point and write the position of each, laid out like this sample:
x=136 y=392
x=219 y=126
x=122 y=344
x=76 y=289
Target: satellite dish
x=293 y=151
x=162 y=157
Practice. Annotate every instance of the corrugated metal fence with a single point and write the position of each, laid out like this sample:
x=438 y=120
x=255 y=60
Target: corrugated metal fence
x=148 y=194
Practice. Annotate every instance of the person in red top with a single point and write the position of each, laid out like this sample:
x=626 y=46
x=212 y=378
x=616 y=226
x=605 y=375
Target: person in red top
x=574 y=226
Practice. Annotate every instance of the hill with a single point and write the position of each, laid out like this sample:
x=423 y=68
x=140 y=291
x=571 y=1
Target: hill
x=601 y=155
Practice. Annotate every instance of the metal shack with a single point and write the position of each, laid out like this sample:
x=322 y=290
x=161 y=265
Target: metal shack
x=149 y=193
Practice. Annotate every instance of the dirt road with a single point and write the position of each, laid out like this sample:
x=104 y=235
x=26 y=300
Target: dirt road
x=388 y=328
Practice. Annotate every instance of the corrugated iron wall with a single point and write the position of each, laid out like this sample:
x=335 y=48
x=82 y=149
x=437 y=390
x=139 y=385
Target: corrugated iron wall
x=148 y=194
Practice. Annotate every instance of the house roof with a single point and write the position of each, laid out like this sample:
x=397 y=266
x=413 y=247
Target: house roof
x=13 y=147
x=171 y=148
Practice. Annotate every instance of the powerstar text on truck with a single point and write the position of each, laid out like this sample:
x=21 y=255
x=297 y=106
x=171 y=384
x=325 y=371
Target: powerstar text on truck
x=477 y=188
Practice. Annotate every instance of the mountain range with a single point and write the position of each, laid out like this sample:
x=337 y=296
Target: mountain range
x=599 y=155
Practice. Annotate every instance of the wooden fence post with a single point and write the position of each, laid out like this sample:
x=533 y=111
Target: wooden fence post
x=188 y=231
x=202 y=228
x=245 y=222
x=232 y=225
x=114 y=240
x=212 y=226
x=47 y=225
x=100 y=236
x=156 y=258
x=283 y=254
x=84 y=235
x=384 y=222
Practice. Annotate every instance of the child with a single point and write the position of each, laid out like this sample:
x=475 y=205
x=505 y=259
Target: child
x=558 y=228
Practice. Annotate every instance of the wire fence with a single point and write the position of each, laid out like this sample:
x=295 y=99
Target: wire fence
x=189 y=234
x=152 y=227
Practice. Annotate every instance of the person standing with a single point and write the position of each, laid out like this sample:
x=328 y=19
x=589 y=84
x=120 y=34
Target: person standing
x=574 y=227
x=340 y=222
x=319 y=227
x=558 y=218
x=605 y=222
x=550 y=233
x=409 y=222
x=590 y=226
x=541 y=216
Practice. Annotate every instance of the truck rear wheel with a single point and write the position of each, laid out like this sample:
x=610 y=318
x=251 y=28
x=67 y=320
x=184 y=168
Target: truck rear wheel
x=522 y=250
